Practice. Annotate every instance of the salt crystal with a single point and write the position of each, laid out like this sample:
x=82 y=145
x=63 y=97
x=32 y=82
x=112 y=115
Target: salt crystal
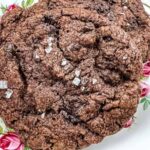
x=94 y=81
x=43 y=115
x=50 y=39
x=8 y=93
x=77 y=73
x=82 y=88
x=39 y=110
x=64 y=62
x=36 y=56
x=9 y=47
x=125 y=7
x=49 y=48
x=122 y=13
x=3 y=84
x=125 y=57
x=76 y=81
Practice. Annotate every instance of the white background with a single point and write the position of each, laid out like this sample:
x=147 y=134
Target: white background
x=135 y=138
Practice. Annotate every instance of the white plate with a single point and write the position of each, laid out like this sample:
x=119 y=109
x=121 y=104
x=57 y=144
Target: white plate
x=135 y=138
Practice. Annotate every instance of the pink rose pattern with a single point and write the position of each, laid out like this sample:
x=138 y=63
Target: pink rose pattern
x=11 y=7
x=129 y=123
x=145 y=89
x=11 y=141
x=146 y=69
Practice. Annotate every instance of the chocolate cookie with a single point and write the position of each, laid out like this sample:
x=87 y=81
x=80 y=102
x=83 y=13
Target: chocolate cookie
x=69 y=76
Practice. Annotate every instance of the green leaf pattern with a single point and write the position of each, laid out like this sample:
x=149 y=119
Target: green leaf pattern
x=146 y=102
x=27 y=148
x=27 y=3
x=3 y=8
x=3 y=128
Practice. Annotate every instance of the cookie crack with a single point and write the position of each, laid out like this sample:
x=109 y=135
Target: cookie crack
x=75 y=121
x=22 y=75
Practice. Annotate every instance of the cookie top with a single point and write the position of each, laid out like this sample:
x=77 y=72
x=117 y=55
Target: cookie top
x=69 y=76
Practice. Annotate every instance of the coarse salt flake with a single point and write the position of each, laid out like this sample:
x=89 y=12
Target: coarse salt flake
x=43 y=115
x=125 y=7
x=125 y=57
x=94 y=81
x=76 y=81
x=8 y=93
x=50 y=39
x=83 y=88
x=49 y=48
x=77 y=73
x=64 y=62
x=3 y=84
x=36 y=56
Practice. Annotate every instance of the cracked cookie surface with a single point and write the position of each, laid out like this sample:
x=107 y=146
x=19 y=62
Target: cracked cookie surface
x=74 y=75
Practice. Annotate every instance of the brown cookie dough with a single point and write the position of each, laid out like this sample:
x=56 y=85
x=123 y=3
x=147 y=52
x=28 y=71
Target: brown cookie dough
x=70 y=74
